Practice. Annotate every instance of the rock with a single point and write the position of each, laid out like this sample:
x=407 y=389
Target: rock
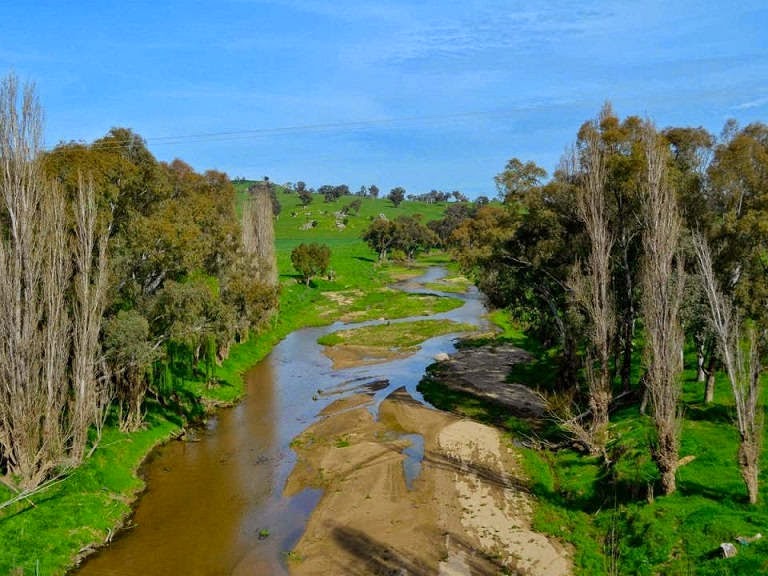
x=483 y=372
x=441 y=357
x=728 y=550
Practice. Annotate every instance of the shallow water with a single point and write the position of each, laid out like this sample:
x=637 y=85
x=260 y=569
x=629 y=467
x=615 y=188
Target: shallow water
x=414 y=455
x=215 y=505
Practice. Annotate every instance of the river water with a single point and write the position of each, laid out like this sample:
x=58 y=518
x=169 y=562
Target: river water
x=214 y=502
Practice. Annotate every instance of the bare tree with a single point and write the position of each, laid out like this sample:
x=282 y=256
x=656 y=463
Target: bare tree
x=742 y=365
x=89 y=397
x=259 y=233
x=592 y=286
x=49 y=319
x=662 y=282
x=34 y=271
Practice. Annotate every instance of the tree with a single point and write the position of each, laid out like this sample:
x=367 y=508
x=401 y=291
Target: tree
x=309 y=260
x=412 y=236
x=305 y=196
x=396 y=195
x=259 y=234
x=332 y=193
x=373 y=190
x=742 y=365
x=354 y=206
x=380 y=236
x=452 y=218
x=89 y=394
x=662 y=283
x=130 y=354
x=49 y=326
x=592 y=286
x=518 y=178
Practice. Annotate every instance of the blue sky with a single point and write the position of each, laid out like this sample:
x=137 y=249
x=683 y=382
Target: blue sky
x=433 y=94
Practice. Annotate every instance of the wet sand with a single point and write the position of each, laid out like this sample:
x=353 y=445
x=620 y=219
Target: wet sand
x=466 y=512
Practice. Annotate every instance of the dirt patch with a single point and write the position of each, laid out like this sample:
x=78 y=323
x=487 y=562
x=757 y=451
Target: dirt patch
x=353 y=355
x=343 y=298
x=466 y=512
x=483 y=372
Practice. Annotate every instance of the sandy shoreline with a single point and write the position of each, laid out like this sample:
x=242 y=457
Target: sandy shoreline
x=466 y=511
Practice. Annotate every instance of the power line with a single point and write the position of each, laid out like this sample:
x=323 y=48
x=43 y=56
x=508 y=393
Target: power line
x=234 y=135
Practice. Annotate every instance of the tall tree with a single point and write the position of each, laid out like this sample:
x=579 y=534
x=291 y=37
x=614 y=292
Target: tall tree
x=662 y=282
x=90 y=395
x=742 y=365
x=592 y=286
x=40 y=413
x=259 y=233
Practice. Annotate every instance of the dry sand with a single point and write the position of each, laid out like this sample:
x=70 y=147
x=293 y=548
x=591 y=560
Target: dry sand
x=467 y=512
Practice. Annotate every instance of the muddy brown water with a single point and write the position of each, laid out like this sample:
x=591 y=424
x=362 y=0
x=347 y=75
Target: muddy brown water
x=214 y=502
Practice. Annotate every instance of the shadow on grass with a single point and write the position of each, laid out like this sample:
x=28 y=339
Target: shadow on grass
x=716 y=413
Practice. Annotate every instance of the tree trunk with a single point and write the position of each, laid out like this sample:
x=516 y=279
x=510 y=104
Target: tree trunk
x=628 y=345
x=701 y=375
x=668 y=481
x=749 y=467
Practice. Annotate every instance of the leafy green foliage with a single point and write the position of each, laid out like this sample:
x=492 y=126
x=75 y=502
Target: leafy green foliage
x=396 y=196
x=310 y=260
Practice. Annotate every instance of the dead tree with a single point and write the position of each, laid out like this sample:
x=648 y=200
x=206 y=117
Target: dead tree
x=662 y=283
x=34 y=272
x=89 y=398
x=592 y=286
x=259 y=233
x=742 y=365
x=50 y=319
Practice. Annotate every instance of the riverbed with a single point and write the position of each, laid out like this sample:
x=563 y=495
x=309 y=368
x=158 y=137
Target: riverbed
x=215 y=501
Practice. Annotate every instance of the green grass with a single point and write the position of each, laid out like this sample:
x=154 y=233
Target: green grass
x=43 y=534
x=399 y=336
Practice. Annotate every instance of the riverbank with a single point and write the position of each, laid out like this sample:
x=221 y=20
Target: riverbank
x=416 y=491
x=51 y=531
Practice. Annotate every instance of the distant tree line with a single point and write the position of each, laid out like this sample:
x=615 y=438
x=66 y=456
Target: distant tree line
x=332 y=192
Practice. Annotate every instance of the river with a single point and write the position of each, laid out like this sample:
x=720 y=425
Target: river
x=214 y=501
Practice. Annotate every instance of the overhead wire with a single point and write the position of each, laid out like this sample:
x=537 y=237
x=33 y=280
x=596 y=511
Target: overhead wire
x=354 y=125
